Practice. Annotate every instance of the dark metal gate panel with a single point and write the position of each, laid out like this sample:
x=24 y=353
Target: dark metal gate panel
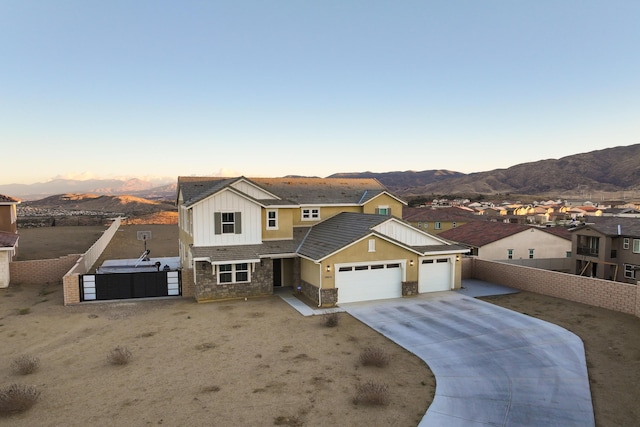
x=129 y=285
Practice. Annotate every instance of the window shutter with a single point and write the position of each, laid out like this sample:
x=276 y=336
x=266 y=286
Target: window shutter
x=238 y=223
x=217 y=223
x=389 y=211
x=377 y=211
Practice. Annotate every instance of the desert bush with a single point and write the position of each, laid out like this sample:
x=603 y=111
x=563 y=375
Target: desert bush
x=330 y=320
x=374 y=356
x=119 y=356
x=371 y=393
x=17 y=398
x=25 y=364
x=23 y=311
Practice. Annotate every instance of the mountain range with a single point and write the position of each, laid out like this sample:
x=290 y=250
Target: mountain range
x=614 y=171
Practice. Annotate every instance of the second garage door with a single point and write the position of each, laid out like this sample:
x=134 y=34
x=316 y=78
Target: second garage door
x=369 y=282
x=434 y=275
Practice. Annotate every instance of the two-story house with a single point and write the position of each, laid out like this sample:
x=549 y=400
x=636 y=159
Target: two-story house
x=607 y=248
x=8 y=236
x=333 y=240
x=437 y=220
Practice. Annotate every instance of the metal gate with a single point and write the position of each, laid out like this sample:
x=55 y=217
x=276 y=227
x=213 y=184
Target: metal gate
x=130 y=285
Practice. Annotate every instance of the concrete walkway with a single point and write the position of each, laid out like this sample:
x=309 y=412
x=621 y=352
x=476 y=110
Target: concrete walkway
x=493 y=366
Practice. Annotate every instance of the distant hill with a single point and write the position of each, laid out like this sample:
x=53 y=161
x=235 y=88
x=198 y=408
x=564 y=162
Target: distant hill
x=135 y=187
x=610 y=170
x=129 y=205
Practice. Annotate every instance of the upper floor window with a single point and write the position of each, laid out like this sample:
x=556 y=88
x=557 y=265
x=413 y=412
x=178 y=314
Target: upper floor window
x=588 y=245
x=568 y=254
x=438 y=225
x=383 y=210
x=372 y=245
x=509 y=253
x=530 y=253
x=227 y=222
x=310 y=214
x=636 y=246
x=630 y=271
x=625 y=243
x=272 y=220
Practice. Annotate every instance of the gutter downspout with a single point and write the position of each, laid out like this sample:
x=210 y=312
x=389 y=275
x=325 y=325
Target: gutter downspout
x=320 y=288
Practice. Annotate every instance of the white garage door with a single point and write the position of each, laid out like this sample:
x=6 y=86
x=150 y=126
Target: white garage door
x=369 y=282
x=434 y=275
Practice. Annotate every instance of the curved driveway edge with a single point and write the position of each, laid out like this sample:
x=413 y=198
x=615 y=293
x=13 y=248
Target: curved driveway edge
x=493 y=366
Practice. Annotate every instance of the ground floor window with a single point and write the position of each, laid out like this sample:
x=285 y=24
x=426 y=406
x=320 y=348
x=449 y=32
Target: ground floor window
x=233 y=273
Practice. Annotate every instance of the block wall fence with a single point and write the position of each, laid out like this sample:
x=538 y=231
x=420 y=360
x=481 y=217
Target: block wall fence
x=622 y=297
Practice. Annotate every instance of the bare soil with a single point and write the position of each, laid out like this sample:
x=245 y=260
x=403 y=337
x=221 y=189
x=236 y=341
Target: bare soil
x=241 y=363
x=255 y=362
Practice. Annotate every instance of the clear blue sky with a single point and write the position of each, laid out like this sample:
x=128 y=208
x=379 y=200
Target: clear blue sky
x=268 y=88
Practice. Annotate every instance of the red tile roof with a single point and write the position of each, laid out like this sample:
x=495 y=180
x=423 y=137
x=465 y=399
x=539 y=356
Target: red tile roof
x=8 y=199
x=480 y=233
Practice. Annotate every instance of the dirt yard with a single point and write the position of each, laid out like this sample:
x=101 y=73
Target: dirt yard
x=241 y=363
x=255 y=362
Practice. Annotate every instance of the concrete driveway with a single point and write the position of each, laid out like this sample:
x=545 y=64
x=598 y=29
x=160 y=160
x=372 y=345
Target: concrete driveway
x=493 y=366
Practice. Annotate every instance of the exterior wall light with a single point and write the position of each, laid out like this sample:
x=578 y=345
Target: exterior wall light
x=411 y=263
x=328 y=268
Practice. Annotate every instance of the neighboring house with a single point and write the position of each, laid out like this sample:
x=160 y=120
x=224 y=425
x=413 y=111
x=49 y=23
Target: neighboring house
x=499 y=241
x=622 y=212
x=437 y=220
x=8 y=236
x=8 y=214
x=607 y=248
x=333 y=240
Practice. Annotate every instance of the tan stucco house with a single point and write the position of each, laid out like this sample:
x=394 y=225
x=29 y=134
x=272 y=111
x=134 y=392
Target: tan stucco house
x=499 y=241
x=8 y=236
x=334 y=240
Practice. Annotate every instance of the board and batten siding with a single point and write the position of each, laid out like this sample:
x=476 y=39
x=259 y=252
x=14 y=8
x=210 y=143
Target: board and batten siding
x=227 y=201
x=406 y=234
x=251 y=190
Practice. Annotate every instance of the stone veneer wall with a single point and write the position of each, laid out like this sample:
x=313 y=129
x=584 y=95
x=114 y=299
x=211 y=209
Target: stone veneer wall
x=208 y=289
x=409 y=289
x=617 y=296
x=329 y=296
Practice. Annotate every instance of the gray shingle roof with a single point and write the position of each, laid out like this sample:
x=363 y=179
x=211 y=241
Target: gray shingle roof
x=8 y=240
x=609 y=225
x=296 y=191
x=336 y=232
x=251 y=252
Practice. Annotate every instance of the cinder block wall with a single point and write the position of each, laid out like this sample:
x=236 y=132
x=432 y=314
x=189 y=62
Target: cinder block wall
x=615 y=296
x=42 y=271
x=71 y=289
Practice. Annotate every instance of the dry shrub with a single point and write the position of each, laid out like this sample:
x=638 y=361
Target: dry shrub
x=25 y=364
x=371 y=393
x=119 y=356
x=17 y=398
x=374 y=356
x=330 y=320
